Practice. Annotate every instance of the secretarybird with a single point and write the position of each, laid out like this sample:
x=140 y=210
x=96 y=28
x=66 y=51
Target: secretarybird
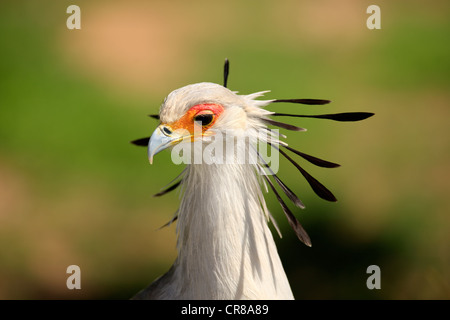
x=225 y=247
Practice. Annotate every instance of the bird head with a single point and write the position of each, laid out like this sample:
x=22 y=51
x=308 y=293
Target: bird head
x=202 y=110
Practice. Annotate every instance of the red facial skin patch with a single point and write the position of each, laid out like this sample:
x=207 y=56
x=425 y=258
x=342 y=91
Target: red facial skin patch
x=186 y=122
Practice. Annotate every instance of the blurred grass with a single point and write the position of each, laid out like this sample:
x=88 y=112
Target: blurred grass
x=74 y=191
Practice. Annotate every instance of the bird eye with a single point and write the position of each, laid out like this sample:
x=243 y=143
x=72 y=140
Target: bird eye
x=204 y=119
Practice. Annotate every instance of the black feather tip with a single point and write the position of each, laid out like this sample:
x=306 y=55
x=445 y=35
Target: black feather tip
x=143 y=142
x=154 y=116
x=346 y=116
x=304 y=101
x=226 y=72
x=283 y=125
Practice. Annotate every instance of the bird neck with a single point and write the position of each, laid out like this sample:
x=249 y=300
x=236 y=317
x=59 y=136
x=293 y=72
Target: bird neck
x=225 y=248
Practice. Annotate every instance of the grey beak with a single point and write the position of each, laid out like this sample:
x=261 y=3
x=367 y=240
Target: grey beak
x=161 y=140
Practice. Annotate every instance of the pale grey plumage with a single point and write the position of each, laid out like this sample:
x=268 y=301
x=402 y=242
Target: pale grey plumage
x=225 y=248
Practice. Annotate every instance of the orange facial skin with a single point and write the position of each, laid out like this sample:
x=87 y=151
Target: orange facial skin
x=187 y=122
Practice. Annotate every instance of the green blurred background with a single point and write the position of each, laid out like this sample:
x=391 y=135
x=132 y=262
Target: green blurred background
x=74 y=191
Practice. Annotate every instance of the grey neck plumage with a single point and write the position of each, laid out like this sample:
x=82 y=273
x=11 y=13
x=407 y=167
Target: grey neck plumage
x=225 y=248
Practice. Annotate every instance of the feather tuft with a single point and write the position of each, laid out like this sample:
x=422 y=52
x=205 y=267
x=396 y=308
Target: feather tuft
x=293 y=222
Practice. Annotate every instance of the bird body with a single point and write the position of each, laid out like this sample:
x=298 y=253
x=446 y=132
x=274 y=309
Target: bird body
x=225 y=247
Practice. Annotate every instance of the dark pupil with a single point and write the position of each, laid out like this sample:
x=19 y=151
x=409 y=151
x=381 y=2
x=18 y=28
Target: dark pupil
x=205 y=119
x=166 y=130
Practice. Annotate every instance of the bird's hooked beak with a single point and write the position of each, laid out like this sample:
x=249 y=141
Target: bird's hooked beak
x=162 y=138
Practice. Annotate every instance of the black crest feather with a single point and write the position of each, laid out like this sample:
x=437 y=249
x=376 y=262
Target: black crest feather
x=226 y=72
x=171 y=188
x=304 y=101
x=346 y=116
x=143 y=142
x=293 y=222
x=283 y=125
x=154 y=116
